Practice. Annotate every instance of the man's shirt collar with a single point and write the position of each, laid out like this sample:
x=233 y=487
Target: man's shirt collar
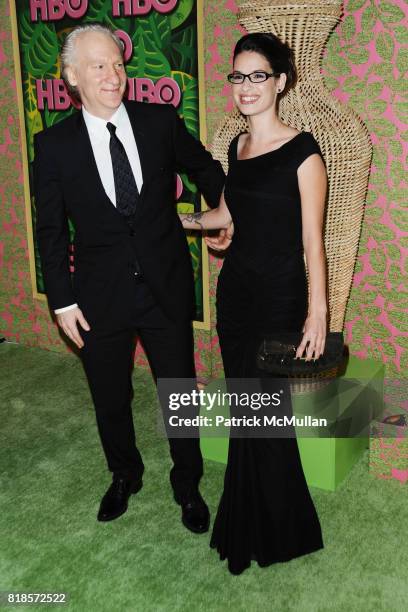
x=97 y=126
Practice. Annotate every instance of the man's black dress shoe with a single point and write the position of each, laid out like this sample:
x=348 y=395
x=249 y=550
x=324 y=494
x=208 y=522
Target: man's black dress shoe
x=115 y=501
x=194 y=512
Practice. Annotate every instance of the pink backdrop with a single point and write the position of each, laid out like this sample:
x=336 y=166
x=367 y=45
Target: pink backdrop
x=364 y=66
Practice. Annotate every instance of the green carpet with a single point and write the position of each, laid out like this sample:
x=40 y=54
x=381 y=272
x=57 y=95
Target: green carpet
x=53 y=475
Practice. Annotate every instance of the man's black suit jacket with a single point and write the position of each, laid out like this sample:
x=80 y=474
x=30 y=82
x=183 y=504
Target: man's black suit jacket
x=67 y=184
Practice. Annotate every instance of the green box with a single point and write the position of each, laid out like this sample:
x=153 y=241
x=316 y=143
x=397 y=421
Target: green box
x=326 y=460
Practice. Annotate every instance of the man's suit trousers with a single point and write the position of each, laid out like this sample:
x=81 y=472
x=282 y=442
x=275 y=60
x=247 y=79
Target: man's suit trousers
x=108 y=362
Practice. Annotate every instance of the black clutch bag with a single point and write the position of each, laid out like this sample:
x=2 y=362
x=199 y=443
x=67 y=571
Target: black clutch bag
x=276 y=355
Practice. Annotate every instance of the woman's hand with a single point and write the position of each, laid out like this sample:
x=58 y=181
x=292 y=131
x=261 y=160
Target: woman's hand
x=314 y=333
x=222 y=240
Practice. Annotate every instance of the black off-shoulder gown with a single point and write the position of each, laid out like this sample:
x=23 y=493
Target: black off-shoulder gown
x=266 y=513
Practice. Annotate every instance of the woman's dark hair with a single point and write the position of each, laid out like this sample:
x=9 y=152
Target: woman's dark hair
x=277 y=53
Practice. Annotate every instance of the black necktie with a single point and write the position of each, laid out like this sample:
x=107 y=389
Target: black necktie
x=126 y=190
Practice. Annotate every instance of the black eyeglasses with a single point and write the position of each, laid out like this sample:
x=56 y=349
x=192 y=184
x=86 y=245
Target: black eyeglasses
x=259 y=76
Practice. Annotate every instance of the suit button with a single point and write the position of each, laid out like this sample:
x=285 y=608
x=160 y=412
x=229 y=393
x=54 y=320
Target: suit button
x=131 y=232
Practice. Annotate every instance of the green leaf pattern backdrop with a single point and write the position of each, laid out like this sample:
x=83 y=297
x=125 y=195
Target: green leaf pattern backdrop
x=164 y=45
x=365 y=66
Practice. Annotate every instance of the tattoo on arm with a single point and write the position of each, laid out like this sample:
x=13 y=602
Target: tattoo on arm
x=195 y=218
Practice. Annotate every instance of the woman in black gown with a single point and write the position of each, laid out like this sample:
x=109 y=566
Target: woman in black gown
x=274 y=195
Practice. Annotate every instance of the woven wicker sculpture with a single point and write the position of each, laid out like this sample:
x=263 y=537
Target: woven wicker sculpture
x=344 y=141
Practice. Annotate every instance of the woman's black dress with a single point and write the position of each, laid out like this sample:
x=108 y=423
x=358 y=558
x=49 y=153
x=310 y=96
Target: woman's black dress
x=266 y=512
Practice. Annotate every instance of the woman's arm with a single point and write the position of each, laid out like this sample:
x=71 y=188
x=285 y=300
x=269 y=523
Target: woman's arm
x=217 y=218
x=313 y=186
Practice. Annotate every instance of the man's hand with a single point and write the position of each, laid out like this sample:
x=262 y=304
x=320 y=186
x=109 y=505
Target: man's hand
x=222 y=240
x=68 y=322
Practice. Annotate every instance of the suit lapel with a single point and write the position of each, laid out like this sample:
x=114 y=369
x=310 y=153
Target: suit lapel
x=85 y=159
x=143 y=142
x=86 y=164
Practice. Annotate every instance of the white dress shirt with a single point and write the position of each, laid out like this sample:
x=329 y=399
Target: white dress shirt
x=100 y=138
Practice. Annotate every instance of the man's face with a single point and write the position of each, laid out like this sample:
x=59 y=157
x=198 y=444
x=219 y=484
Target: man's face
x=99 y=73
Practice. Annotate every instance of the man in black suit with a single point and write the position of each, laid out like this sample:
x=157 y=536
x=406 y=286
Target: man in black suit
x=110 y=168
